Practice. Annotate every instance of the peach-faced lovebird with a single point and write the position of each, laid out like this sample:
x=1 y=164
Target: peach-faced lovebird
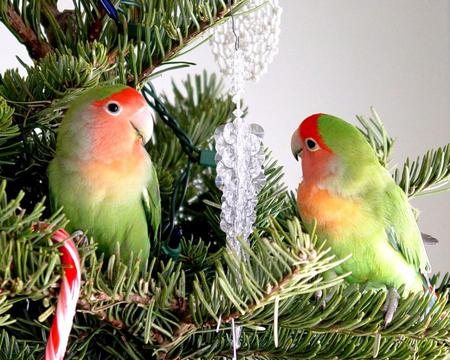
x=358 y=208
x=102 y=175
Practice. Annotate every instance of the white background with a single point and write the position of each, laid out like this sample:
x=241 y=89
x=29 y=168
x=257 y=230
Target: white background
x=341 y=57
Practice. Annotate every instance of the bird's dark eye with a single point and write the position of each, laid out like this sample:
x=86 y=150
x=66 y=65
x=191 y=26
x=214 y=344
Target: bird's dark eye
x=113 y=108
x=311 y=144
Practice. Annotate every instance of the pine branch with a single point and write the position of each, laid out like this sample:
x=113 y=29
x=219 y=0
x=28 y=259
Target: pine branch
x=95 y=30
x=154 y=43
x=427 y=175
x=9 y=134
x=201 y=27
x=193 y=34
x=143 y=42
x=355 y=337
x=12 y=349
x=26 y=35
x=375 y=133
x=157 y=309
x=423 y=176
x=301 y=344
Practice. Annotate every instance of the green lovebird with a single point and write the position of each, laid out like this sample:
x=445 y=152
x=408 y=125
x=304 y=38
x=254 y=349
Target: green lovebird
x=358 y=208
x=102 y=175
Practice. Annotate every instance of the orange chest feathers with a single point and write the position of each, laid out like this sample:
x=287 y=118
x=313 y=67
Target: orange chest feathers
x=332 y=212
x=119 y=174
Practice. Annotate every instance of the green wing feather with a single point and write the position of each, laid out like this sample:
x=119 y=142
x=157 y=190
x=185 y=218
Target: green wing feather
x=402 y=230
x=151 y=200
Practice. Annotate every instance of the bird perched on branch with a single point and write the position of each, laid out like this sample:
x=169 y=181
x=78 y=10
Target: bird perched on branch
x=102 y=175
x=358 y=209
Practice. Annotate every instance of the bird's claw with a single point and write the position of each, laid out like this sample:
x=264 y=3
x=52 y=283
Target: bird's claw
x=318 y=295
x=390 y=306
x=79 y=238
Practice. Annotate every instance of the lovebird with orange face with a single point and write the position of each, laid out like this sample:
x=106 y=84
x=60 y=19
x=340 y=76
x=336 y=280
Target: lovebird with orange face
x=358 y=208
x=103 y=176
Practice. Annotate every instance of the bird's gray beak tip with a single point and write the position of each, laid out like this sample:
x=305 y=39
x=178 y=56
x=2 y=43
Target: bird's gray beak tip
x=297 y=154
x=296 y=145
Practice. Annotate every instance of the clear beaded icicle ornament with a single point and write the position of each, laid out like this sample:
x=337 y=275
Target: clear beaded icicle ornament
x=240 y=173
x=243 y=48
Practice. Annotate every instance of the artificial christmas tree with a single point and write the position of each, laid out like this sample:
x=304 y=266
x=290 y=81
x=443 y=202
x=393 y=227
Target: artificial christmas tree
x=182 y=302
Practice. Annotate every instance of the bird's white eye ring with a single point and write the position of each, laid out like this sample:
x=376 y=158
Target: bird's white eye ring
x=113 y=108
x=312 y=144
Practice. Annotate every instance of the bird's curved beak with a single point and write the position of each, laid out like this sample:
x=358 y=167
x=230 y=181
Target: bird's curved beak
x=296 y=145
x=142 y=122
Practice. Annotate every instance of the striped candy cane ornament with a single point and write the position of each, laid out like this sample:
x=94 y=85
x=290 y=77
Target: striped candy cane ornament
x=68 y=297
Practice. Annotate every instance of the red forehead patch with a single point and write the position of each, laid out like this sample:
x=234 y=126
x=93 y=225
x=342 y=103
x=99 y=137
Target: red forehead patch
x=309 y=129
x=125 y=97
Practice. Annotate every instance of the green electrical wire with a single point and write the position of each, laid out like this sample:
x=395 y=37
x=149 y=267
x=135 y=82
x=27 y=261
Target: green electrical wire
x=186 y=143
x=195 y=155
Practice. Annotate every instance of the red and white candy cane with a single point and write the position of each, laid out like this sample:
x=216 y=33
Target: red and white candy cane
x=68 y=297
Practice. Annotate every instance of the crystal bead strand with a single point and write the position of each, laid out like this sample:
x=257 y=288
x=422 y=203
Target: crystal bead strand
x=251 y=41
x=240 y=173
x=258 y=30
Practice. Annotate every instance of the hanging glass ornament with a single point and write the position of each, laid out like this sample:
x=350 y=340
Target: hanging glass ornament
x=257 y=25
x=250 y=41
x=240 y=174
